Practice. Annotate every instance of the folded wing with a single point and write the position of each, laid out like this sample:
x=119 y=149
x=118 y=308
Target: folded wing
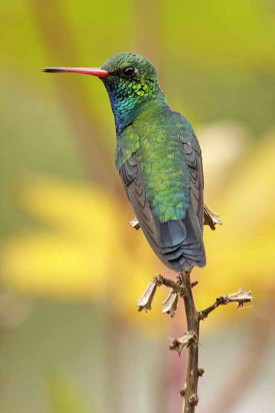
x=178 y=243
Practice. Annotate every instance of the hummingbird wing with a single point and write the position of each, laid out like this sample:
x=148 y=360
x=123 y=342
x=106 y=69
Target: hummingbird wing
x=178 y=243
x=191 y=250
x=192 y=154
x=134 y=187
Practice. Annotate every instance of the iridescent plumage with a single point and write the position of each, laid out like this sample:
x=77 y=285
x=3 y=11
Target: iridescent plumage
x=159 y=160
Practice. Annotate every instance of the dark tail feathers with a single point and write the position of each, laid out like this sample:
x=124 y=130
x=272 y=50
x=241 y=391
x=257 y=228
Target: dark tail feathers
x=180 y=243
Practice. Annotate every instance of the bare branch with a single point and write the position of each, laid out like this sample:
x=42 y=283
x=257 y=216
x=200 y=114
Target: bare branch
x=190 y=340
x=176 y=287
x=170 y=304
x=193 y=324
x=237 y=382
x=240 y=297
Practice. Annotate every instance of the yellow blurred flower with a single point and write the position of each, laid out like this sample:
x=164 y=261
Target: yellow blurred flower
x=86 y=249
x=241 y=252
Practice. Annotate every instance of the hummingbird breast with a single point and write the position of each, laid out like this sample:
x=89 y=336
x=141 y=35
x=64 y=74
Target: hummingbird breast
x=159 y=163
x=165 y=174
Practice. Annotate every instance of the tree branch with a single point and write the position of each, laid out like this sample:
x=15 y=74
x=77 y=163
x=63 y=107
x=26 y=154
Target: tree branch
x=240 y=297
x=145 y=301
x=190 y=339
x=237 y=382
x=189 y=390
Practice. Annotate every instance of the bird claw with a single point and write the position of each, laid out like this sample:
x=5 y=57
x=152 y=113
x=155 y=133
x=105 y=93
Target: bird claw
x=210 y=218
x=134 y=223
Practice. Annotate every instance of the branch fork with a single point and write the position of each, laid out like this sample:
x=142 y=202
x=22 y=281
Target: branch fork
x=240 y=297
x=182 y=288
x=170 y=304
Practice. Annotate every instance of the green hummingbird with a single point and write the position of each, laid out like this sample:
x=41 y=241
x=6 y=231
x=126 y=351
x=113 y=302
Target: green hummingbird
x=158 y=158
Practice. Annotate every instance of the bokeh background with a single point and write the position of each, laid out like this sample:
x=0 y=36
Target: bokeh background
x=71 y=268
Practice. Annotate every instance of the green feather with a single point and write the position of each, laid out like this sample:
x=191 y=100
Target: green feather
x=148 y=128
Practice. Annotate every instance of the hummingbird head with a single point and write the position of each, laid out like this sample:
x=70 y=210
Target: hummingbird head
x=131 y=82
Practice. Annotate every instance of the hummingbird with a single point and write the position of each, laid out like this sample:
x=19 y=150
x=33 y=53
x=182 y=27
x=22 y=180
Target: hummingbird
x=158 y=158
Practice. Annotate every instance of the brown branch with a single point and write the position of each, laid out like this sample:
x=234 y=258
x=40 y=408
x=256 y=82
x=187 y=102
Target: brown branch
x=190 y=339
x=189 y=390
x=250 y=360
x=240 y=297
x=145 y=301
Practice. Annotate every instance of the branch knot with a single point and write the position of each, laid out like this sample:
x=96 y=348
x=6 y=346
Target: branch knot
x=194 y=399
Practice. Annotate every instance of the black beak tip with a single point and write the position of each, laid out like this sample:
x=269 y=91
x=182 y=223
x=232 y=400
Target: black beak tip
x=51 y=69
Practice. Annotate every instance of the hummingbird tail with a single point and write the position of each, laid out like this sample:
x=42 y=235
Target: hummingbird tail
x=180 y=243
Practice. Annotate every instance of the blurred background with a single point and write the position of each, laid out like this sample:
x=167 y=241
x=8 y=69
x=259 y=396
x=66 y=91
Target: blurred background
x=71 y=268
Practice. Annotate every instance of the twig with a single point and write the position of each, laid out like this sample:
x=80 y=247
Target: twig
x=145 y=301
x=189 y=390
x=190 y=339
x=240 y=297
x=237 y=381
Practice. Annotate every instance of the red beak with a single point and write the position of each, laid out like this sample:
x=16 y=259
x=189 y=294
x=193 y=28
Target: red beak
x=94 y=71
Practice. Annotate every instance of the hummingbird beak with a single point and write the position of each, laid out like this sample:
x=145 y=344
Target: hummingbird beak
x=93 y=71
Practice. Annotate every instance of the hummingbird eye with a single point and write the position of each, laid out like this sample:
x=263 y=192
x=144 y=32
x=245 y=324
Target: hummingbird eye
x=129 y=71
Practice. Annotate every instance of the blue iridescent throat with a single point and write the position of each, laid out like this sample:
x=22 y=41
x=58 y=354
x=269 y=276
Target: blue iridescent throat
x=126 y=105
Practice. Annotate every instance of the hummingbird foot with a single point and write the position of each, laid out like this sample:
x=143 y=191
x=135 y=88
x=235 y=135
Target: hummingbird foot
x=210 y=218
x=134 y=223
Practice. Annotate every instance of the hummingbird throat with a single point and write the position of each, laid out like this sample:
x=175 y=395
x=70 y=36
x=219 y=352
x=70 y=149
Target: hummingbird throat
x=130 y=99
